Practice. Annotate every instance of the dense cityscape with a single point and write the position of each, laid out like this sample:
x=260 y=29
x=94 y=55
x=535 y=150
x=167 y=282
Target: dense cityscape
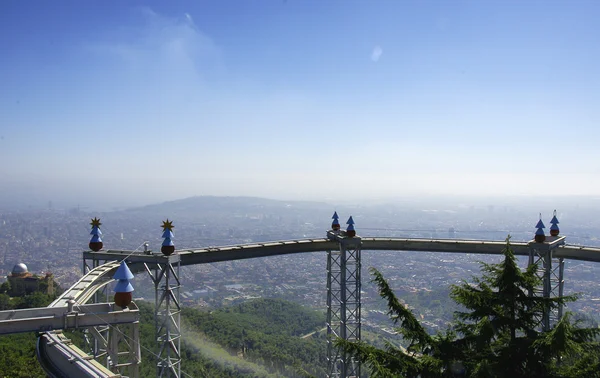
x=53 y=239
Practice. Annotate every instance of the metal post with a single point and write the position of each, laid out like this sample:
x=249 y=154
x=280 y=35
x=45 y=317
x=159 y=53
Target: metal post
x=551 y=272
x=167 y=316
x=343 y=303
x=333 y=312
x=561 y=284
x=95 y=338
x=129 y=359
x=135 y=353
x=547 y=259
x=343 y=314
x=113 y=350
x=329 y=313
x=352 y=321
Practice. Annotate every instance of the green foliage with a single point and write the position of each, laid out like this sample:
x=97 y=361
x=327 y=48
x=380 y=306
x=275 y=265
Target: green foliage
x=17 y=352
x=17 y=357
x=5 y=303
x=264 y=331
x=5 y=287
x=495 y=335
x=35 y=299
x=255 y=339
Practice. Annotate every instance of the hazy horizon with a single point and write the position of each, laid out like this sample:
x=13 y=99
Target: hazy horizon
x=533 y=203
x=132 y=103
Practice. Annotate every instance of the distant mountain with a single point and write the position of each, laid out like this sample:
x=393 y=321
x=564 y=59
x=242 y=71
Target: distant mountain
x=215 y=205
x=203 y=203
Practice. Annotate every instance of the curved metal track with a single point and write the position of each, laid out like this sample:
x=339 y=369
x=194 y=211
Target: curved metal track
x=84 y=289
x=57 y=355
x=245 y=251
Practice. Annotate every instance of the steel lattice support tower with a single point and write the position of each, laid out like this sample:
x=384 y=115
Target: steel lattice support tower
x=164 y=272
x=128 y=337
x=343 y=302
x=551 y=271
x=96 y=338
x=167 y=314
x=103 y=342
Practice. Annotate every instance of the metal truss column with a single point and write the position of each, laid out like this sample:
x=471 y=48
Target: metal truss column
x=167 y=315
x=95 y=338
x=550 y=270
x=128 y=337
x=343 y=303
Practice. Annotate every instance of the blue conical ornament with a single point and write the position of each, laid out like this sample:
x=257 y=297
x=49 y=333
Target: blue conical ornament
x=554 y=231
x=540 y=237
x=96 y=241
x=335 y=225
x=168 y=247
x=123 y=272
x=123 y=288
x=350 y=229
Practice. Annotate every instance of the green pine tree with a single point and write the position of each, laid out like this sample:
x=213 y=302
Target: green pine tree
x=496 y=335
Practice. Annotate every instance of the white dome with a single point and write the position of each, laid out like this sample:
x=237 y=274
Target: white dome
x=19 y=269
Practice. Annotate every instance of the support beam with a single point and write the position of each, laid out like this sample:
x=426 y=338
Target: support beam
x=95 y=338
x=550 y=269
x=167 y=315
x=46 y=319
x=343 y=303
x=128 y=359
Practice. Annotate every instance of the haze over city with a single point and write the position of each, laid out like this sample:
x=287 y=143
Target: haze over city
x=140 y=102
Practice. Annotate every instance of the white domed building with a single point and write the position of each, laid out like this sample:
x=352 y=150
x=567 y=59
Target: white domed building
x=20 y=270
x=23 y=282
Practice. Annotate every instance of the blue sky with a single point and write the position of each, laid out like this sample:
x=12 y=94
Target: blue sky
x=151 y=101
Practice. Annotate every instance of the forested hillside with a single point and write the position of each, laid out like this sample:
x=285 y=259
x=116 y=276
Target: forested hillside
x=266 y=332
x=259 y=338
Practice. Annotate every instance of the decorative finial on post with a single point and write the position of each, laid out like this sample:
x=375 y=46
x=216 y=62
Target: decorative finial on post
x=350 y=232
x=123 y=289
x=554 y=231
x=540 y=237
x=335 y=225
x=96 y=241
x=168 y=247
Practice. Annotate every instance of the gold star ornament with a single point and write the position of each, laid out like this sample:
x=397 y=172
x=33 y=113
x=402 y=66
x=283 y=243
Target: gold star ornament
x=167 y=225
x=95 y=222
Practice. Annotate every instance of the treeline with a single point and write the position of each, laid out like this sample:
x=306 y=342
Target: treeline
x=36 y=299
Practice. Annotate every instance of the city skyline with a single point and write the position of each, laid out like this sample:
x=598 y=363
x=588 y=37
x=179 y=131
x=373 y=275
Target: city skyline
x=146 y=102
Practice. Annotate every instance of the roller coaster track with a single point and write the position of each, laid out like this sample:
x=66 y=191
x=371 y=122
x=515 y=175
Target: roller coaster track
x=57 y=355
x=60 y=358
x=254 y=250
